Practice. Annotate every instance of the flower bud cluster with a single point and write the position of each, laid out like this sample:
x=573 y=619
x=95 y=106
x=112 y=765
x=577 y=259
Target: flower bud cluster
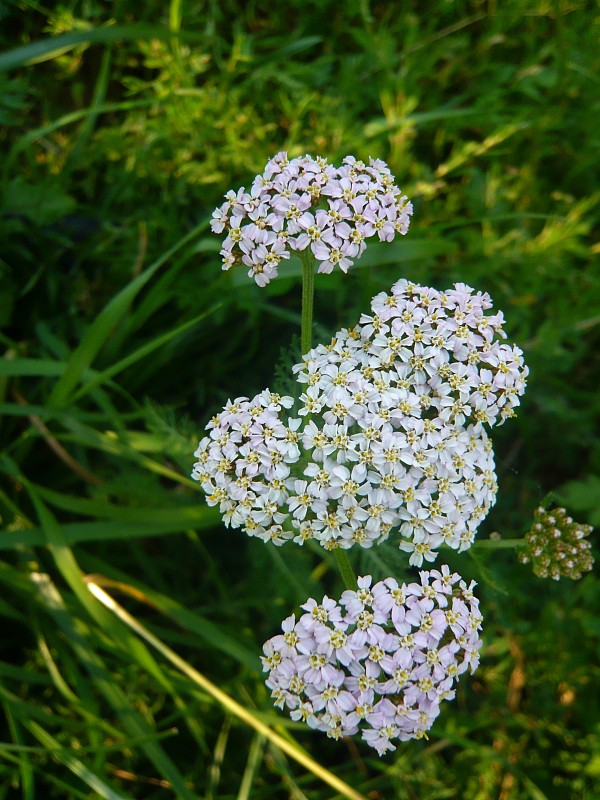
x=379 y=662
x=305 y=203
x=557 y=546
x=389 y=432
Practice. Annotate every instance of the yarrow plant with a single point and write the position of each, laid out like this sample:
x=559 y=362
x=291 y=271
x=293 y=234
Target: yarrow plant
x=387 y=435
x=381 y=661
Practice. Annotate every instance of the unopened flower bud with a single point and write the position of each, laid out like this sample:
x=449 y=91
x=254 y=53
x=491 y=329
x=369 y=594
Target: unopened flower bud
x=557 y=546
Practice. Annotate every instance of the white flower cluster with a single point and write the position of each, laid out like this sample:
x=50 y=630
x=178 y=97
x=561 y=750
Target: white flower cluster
x=244 y=463
x=381 y=661
x=305 y=203
x=389 y=432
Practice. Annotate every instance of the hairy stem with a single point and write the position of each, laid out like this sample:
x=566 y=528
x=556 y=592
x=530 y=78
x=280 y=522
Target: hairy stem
x=497 y=544
x=343 y=562
x=308 y=292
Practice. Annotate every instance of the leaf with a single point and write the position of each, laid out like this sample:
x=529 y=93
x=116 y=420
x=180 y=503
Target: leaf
x=250 y=718
x=77 y=767
x=27 y=779
x=79 y=532
x=43 y=201
x=142 y=352
x=582 y=496
x=34 y=367
x=47 y=49
x=378 y=126
x=190 y=620
x=131 y=720
x=108 y=318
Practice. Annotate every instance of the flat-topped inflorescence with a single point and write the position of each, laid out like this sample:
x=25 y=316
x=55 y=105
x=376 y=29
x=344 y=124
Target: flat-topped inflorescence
x=380 y=661
x=307 y=203
x=389 y=432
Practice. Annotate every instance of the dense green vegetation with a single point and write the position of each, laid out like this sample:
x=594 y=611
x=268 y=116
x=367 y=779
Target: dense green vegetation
x=122 y=125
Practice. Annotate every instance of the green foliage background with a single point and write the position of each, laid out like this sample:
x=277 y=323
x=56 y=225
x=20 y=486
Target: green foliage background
x=122 y=125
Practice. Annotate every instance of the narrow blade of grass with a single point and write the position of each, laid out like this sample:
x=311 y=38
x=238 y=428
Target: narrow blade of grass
x=141 y=352
x=131 y=720
x=76 y=766
x=25 y=768
x=47 y=49
x=254 y=757
x=212 y=634
x=79 y=532
x=229 y=704
x=108 y=318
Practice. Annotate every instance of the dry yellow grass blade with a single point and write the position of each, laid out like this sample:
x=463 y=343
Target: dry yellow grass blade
x=293 y=751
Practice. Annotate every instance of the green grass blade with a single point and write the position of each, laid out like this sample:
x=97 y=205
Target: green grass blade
x=379 y=126
x=31 y=367
x=54 y=672
x=76 y=766
x=254 y=757
x=131 y=720
x=25 y=768
x=184 y=516
x=80 y=532
x=104 y=323
x=69 y=569
x=89 y=122
x=108 y=442
x=210 y=633
x=142 y=352
x=175 y=16
x=231 y=706
x=47 y=49
x=63 y=121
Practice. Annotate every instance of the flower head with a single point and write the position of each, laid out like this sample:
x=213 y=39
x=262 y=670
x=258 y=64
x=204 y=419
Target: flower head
x=380 y=661
x=557 y=546
x=389 y=434
x=305 y=203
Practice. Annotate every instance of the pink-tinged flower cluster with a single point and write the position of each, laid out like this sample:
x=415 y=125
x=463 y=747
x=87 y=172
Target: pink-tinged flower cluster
x=387 y=434
x=306 y=203
x=381 y=661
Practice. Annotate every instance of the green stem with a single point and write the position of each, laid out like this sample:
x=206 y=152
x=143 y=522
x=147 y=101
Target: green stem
x=498 y=544
x=343 y=562
x=308 y=293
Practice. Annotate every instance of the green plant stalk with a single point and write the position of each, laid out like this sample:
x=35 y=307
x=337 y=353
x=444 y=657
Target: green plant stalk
x=497 y=544
x=308 y=293
x=345 y=568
